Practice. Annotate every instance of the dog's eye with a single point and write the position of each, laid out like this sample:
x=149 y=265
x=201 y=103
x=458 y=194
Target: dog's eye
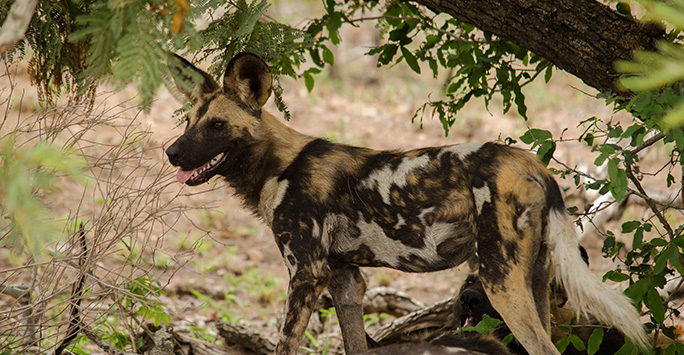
x=218 y=124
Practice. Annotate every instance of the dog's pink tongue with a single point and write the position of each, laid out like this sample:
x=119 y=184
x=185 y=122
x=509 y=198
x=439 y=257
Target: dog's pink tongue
x=183 y=175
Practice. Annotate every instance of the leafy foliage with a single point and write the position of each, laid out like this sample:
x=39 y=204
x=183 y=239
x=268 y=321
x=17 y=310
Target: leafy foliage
x=77 y=44
x=654 y=257
x=143 y=300
x=26 y=172
x=655 y=70
x=479 y=64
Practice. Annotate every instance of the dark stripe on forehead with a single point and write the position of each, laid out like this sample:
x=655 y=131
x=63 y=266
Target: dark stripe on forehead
x=202 y=110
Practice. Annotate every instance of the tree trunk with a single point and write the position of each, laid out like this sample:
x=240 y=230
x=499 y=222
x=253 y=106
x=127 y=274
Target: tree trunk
x=582 y=37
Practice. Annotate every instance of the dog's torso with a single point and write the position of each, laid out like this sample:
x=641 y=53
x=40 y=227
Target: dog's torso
x=412 y=211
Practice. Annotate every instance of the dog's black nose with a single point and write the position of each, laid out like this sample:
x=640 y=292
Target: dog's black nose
x=470 y=299
x=175 y=154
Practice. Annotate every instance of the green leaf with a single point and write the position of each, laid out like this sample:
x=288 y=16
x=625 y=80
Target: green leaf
x=630 y=226
x=655 y=304
x=638 y=238
x=520 y=101
x=536 y=135
x=673 y=256
x=434 y=66
x=616 y=276
x=548 y=73
x=637 y=290
x=631 y=130
x=486 y=324
x=660 y=262
x=577 y=342
x=410 y=59
x=387 y=53
x=509 y=338
x=334 y=24
x=309 y=82
x=546 y=151
x=328 y=56
x=595 y=340
x=432 y=39
x=659 y=242
x=618 y=179
x=679 y=241
x=562 y=344
x=608 y=245
x=627 y=349
x=678 y=137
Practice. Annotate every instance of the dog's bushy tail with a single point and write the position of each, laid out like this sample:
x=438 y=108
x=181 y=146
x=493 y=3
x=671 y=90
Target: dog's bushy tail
x=584 y=289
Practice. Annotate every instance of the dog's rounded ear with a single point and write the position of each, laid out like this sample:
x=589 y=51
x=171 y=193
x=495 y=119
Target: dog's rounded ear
x=190 y=80
x=249 y=77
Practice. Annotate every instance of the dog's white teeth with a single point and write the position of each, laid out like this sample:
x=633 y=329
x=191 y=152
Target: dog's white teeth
x=217 y=158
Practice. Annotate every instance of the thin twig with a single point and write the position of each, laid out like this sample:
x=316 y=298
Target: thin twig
x=106 y=347
x=649 y=201
x=649 y=142
x=76 y=297
x=387 y=17
x=662 y=204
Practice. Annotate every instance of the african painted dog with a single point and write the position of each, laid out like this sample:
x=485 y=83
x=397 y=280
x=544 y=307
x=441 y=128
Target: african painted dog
x=334 y=208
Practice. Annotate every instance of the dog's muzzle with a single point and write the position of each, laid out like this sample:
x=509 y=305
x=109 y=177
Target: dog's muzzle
x=174 y=154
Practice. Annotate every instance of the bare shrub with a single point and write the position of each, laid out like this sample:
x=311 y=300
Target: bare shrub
x=102 y=276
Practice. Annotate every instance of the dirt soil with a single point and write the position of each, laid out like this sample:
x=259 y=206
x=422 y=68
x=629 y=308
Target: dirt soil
x=216 y=261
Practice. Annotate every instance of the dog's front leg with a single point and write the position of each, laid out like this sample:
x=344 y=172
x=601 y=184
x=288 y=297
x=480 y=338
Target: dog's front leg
x=304 y=289
x=347 y=288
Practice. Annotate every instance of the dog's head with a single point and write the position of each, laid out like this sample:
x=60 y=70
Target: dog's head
x=222 y=126
x=473 y=303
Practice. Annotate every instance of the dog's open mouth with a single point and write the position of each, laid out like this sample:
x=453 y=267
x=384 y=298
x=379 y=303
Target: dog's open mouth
x=201 y=174
x=467 y=321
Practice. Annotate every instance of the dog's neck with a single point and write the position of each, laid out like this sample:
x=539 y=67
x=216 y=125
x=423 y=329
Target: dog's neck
x=276 y=146
x=286 y=141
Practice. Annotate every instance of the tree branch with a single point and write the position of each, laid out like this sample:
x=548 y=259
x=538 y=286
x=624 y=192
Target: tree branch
x=414 y=326
x=651 y=204
x=16 y=23
x=649 y=142
x=16 y=292
x=76 y=297
x=582 y=37
x=107 y=348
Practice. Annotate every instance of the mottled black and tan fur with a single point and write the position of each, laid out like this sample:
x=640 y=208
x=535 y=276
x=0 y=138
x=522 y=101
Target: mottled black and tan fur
x=334 y=208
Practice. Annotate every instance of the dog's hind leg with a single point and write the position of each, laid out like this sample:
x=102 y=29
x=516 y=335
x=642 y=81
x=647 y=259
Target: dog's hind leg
x=519 y=292
x=516 y=305
x=347 y=288
x=514 y=267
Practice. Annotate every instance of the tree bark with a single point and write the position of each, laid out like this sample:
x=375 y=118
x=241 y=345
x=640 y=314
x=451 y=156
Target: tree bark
x=16 y=23
x=582 y=37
